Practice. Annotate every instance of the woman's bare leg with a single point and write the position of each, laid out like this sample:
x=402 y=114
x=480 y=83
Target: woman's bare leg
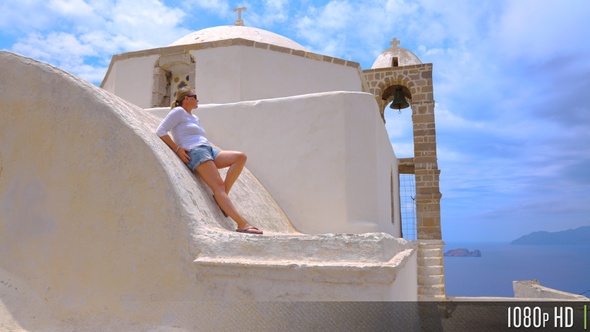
x=235 y=160
x=209 y=173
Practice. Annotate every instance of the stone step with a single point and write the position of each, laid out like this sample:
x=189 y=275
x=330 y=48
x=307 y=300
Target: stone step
x=430 y=261
x=331 y=268
x=430 y=280
x=304 y=267
x=345 y=248
x=431 y=270
x=436 y=298
x=326 y=271
x=427 y=253
x=431 y=290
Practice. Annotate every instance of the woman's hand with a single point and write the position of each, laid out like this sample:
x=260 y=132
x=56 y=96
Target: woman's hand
x=181 y=153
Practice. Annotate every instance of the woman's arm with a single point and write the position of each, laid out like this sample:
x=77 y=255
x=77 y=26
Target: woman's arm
x=170 y=121
x=180 y=152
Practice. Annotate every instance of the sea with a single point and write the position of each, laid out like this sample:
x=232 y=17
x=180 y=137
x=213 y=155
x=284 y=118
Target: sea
x=561 y=267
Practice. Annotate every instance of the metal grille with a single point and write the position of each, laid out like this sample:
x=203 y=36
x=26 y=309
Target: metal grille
x=407 y=184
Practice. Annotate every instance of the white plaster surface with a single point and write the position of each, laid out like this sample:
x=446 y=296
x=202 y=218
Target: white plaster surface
x=328 y=152
x=232 y=31
x=404 y=57
x=103 y=228
x=531 y=289
x=134 y=77
x=236 y=73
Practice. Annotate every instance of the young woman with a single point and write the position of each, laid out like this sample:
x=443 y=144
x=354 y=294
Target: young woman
x=193 y=148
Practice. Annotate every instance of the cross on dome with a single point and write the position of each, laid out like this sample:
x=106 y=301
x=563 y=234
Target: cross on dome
x=239 y=21
x=394 y=43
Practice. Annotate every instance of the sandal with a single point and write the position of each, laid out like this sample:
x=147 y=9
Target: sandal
x=248 y=229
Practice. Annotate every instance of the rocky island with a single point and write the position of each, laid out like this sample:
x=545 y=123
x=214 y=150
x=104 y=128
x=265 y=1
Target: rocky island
x=463 y=253
x=578 y=236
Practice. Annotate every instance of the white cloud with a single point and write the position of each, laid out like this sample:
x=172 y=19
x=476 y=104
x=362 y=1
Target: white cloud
x=275 y=11
x=353 y=30
x=63 y=45
x=19 y=16
x=446 y=120
x=220 y=7
x=538 y=29
x=151 y=24
x=264 y=14
x=70 y=7
x=110 y=28
x=403 y=150
x=63 y=50
x=320 y=25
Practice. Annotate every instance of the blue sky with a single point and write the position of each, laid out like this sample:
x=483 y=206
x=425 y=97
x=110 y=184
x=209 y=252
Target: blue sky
x=511 y=84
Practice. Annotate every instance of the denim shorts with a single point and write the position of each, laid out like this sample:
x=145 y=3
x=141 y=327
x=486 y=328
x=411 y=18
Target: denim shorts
x=199 y=155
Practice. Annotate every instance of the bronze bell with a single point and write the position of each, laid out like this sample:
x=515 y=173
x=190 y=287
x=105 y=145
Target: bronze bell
x=399 y=101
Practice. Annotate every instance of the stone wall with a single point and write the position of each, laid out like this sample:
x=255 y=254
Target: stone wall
x=417 y=79
x=531 y=289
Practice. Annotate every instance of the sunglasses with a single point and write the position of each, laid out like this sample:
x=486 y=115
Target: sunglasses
x=193 y=96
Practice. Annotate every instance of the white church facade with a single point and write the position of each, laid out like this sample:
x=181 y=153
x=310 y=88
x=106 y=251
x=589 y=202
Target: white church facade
x=269 y=82
x=122 y=230
x=304 y=110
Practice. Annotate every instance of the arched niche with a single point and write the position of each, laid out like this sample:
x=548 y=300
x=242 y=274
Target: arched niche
x=172 y=72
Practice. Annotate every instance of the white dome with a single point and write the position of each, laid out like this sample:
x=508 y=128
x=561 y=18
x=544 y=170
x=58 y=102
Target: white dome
x=404 y=57
x=236 y=31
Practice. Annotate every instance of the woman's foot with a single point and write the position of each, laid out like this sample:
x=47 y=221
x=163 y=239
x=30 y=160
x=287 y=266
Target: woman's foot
x=249 y=230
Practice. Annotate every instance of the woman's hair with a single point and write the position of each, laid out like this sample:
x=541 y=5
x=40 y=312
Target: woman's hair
x=180 y=94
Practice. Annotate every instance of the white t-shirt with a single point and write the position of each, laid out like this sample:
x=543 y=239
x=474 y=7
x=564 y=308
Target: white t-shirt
x=185 y=129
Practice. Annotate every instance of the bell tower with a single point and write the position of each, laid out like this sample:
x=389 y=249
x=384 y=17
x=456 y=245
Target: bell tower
x=399 y=77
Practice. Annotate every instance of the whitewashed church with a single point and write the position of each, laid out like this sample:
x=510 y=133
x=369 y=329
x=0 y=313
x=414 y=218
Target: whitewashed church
x=114 y=229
